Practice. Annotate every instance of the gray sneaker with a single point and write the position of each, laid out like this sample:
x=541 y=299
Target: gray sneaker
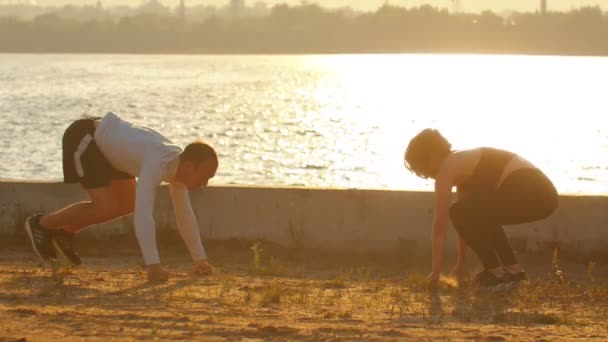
x=64 y=244
x=40 y=238
x=486 y=279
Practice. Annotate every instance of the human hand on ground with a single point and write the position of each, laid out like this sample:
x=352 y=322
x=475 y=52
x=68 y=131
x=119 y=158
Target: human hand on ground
x=157 y=273
x=202 y=267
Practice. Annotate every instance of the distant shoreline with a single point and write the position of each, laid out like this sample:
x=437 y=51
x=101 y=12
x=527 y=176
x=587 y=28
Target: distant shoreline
x=310 y=29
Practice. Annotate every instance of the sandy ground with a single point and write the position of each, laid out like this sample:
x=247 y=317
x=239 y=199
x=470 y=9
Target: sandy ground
x=291 y=296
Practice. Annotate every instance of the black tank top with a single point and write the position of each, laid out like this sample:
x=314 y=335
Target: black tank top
x=488 y=171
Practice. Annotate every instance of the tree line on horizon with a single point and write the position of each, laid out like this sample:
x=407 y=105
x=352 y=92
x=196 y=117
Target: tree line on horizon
x=309 y=28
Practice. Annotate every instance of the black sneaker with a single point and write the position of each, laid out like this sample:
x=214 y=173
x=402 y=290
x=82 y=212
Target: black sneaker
x=515 y=277
x=488 y=279
x=64 y=244
x=40 y=238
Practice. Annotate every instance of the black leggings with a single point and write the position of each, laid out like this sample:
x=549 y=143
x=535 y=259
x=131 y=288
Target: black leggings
x=526 y=195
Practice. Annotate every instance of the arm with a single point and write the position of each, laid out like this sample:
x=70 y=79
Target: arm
x=143 y=218
x=462 y=252
x=443 y=192
x=186 y=221
x=462 y=245
x=458 y=268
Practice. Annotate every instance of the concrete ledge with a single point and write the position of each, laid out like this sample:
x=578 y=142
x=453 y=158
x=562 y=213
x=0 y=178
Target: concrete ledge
x=375 y=221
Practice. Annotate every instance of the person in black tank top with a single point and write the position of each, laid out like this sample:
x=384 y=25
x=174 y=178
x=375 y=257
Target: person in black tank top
x=484 y=203
x=488 y=171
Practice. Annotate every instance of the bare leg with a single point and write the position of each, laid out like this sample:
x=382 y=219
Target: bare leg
x=108 y=203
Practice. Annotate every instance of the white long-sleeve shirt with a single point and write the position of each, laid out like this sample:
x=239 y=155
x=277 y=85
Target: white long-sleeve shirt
x=152 y=158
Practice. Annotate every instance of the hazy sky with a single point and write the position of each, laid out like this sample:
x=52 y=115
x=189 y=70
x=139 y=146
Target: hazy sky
x=468 y=5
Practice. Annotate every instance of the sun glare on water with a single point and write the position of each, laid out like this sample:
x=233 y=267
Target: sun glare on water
x=534 y=106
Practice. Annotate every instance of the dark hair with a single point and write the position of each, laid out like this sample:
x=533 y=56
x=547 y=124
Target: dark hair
x=197 y=152
x=420 y=148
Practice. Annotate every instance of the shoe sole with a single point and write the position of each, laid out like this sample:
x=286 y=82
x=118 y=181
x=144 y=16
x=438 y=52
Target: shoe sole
x=28 y=229
x=63 y=255
x=502 y=287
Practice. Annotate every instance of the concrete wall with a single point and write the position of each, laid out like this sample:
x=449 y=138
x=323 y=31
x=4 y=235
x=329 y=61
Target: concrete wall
x=344 y=220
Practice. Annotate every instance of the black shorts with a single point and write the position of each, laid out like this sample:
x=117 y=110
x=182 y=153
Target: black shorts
x=83 y=161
